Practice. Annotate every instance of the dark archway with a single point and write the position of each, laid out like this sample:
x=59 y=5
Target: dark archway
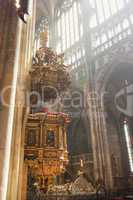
x=118 y=82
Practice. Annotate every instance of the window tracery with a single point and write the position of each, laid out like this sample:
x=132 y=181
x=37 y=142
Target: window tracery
x=110 y=18
x=69 y=33
x=69 y=29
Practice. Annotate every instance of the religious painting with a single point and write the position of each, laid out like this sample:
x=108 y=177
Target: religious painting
x=31 y=139
x=50 y=138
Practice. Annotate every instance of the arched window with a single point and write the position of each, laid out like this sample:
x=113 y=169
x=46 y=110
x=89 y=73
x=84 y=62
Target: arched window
x=104 y=9
x=106 y=18
x=68 y=24
x=129 y=144
x=125 y=23
x=131 y=18
x=69 y=32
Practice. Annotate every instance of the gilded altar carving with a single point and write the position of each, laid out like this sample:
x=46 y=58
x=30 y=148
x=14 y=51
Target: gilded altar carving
x=45 y=145
x=45 y=150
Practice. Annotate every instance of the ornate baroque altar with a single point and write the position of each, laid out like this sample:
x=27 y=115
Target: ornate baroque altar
x=45 y=151
x=46 y=145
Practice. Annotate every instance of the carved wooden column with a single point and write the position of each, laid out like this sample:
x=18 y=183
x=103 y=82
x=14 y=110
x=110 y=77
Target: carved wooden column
x=60 y=137
x=65 y=138
x=24 y=186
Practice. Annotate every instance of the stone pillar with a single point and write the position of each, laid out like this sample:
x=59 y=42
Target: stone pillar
x=103 y=137
x=28 y=62
x=91 y=104
x=27 y=52
x=16 y=50
x=100 y=146
x=8 y=44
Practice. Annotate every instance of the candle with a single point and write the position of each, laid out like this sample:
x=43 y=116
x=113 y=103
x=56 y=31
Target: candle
x=81 y=163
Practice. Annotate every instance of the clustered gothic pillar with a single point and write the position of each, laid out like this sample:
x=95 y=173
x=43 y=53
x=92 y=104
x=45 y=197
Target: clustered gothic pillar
x=16 y=44
x=100 y=146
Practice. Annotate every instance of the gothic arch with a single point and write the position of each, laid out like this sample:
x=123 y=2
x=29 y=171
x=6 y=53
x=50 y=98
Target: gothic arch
x=106 y=70
x=118 y=62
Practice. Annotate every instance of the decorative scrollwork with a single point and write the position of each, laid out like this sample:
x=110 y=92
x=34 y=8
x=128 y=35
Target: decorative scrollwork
x=49 y=70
